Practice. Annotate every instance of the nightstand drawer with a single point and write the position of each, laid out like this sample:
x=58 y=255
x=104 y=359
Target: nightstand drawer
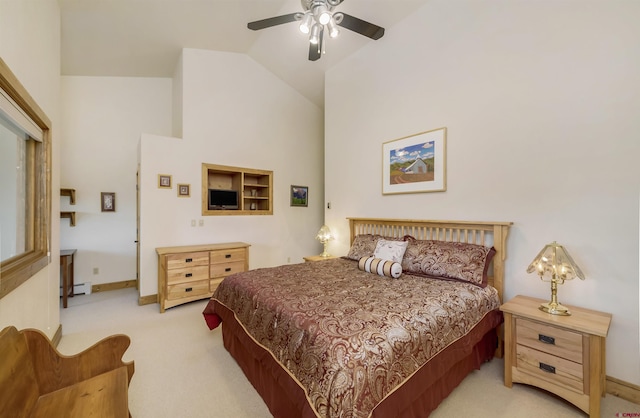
x=175 y=261
x=187 y=290
x=225 y=269
x=555 y=341
x=551 y=368
x=187 y=274
x=225 y=256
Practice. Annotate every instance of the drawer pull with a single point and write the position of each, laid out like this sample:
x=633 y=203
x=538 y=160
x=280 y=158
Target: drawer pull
x=189 y=289
x=547 y=368
x=546 y=339
x=227 y=256
x=227 y=269
x=188 y=260
x=188 y=275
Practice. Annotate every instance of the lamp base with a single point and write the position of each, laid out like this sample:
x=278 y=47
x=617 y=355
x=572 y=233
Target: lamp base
x=554 y=309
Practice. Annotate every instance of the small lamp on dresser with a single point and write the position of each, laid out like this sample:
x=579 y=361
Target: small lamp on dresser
x=554 y=264
x=324 y=236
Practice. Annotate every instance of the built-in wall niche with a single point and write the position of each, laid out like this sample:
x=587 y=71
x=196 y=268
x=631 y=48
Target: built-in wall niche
x=230 y=190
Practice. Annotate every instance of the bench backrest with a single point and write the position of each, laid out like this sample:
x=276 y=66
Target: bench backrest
x=19 y=387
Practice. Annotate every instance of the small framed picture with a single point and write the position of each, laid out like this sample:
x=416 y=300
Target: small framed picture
x=299 y=195
x=108 y=202
x=183 y=190
x=164 y=181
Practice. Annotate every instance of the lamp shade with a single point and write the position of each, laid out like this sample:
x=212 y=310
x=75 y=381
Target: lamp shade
x=553 y=262
x=324 y=234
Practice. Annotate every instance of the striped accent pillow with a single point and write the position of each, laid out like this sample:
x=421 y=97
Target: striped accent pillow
x=381 y=267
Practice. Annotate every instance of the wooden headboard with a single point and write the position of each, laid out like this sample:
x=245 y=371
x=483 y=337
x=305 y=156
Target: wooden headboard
x=480 y=233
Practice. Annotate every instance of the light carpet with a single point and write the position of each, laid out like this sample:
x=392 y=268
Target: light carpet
x=183 y=370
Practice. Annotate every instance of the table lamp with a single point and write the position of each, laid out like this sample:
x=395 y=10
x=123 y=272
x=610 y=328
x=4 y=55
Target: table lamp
x=324 y=235
x=554 y=264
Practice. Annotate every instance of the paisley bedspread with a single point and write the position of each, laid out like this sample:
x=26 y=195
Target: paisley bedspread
x=349 y=337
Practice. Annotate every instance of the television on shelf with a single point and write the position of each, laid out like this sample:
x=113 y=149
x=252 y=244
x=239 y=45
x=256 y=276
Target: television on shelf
x=220 y=199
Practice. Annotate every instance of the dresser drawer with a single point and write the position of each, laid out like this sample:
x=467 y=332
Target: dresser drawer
x=553 y=369
x=187 y=290
x=225 y=269
x=548 y=339
x=182 y=260
x=188 y=274
x=225 y=256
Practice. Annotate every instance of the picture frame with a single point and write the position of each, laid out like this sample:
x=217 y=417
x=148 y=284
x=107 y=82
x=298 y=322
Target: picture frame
x=164 y=181
x=415 y=163
x=184 y=190
x=299 y=196
x=107 y=201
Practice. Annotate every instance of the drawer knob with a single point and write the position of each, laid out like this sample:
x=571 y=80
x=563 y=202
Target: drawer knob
x=546 y=339
x=188 y=260
x=188 y=275
x=547 y=368
x=189 y=289
x=227 y=256
x=227 y=269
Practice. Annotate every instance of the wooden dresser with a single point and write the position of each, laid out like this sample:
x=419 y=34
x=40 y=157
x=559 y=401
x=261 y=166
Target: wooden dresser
x=193 y=272
x=564 y=355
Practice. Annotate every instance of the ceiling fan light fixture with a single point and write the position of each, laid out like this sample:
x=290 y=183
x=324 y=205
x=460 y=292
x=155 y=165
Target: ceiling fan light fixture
x=314 y=38
x=333 y=28
x=306 y=23
x=323 y=16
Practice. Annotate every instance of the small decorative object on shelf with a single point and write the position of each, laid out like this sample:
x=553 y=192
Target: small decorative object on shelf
x=554 y=264
x=324 y=236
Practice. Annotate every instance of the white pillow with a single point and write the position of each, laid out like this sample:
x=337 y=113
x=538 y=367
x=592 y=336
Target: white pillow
x=390 y=250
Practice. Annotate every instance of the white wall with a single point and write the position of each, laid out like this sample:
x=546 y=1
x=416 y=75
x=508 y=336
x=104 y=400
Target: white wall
x=30 y=46
x=102 y=120
x=236 y=113
x=541 y=104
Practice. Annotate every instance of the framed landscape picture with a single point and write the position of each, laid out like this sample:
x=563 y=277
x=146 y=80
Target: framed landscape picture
x=299 y=195
x=415 y=163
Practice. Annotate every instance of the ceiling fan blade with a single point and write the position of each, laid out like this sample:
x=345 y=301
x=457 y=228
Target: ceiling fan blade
x=315 y=50
x=360 y=26
x=273 y=21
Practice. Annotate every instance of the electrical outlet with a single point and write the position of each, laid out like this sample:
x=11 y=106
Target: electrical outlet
x=193 y=222
x=201 y=222
x=96 y=270
x=288 y=259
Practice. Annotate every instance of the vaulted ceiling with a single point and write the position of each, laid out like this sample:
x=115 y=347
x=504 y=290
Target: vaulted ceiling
x=143 y=38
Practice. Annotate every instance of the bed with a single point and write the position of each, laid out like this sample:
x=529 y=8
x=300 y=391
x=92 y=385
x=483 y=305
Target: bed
x=347 y=337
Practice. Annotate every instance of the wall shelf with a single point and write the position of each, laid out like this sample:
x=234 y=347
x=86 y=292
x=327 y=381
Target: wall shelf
x=71 y=193
x=254 y=187
x=71 y=216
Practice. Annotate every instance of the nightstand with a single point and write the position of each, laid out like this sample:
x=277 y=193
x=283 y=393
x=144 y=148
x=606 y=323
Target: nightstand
x=318 y=258
x=564 y=355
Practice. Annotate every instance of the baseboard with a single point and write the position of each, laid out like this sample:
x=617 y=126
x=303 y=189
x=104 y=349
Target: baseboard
x=57 y=336
x=624 y=390
x=147 y=300
x=104 y=287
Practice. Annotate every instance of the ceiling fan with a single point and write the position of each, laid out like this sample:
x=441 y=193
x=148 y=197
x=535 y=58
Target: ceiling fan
x=317 y=15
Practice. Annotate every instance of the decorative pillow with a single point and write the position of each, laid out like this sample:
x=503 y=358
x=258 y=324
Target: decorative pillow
x=390 y=250
x=364 y=245
x=381 y=267
x=452 y=260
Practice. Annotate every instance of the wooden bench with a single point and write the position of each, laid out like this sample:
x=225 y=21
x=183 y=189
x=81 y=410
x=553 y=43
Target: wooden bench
x=38 y=381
